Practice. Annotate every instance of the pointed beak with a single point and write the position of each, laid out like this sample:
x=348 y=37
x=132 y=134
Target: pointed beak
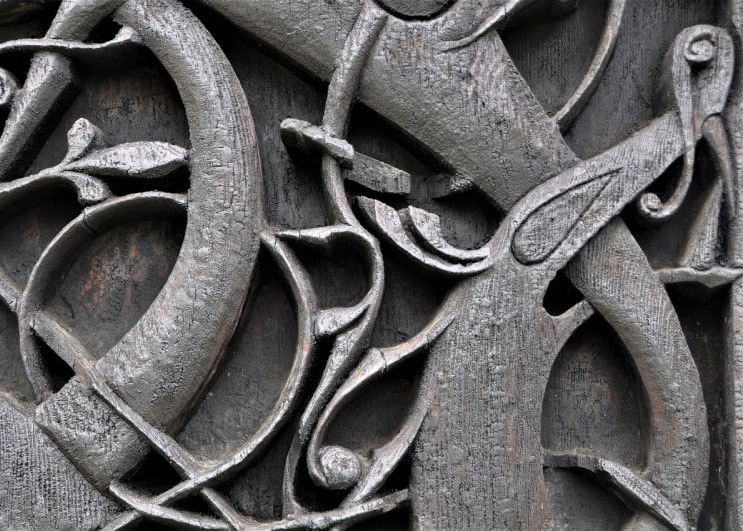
x=713 y=131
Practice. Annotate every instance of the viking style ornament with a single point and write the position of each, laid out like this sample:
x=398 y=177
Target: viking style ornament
x=112 y=427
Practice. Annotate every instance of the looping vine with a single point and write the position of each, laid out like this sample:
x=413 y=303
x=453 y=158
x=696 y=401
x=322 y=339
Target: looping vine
x=533 y=241
x=86 y=168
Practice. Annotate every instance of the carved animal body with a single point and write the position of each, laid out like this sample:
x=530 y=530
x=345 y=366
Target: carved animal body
x=478 y=460
x=480 y=446
x=478 y=456
x=162 y=364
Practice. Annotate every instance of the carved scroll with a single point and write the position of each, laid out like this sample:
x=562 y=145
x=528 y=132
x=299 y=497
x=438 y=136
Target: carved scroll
x=472 y=446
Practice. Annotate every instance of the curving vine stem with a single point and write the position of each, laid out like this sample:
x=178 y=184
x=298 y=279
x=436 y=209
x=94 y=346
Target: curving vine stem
x=350 y=343
x=145 y=386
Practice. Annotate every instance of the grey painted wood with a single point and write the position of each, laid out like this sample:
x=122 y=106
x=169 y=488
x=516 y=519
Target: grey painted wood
x=459 y=265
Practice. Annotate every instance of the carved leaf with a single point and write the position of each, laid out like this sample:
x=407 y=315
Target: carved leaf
x=82 y=138
x=136 y=159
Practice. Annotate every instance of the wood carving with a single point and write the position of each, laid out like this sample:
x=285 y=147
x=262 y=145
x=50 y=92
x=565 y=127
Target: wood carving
x=241 y=306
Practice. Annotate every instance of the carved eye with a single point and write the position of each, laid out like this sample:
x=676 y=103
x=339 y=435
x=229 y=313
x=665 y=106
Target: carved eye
x=701 y=49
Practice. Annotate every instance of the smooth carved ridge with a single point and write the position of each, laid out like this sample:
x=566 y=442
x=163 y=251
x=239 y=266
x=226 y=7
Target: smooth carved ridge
x=123 y=42
x=387 y=223
x=639 y=490
x=78 y=233
x=711 y=278
x=208 y=89
x=304 y=298
x=604 y=50
x=307 y=137
x=377 y=176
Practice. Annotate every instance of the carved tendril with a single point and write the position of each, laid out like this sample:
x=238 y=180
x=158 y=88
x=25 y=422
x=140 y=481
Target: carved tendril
x=336 y=467
x=694 y=49
x=332 y=468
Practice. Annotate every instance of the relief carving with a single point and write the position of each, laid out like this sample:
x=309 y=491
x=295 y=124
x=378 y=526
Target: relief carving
x=610 y=275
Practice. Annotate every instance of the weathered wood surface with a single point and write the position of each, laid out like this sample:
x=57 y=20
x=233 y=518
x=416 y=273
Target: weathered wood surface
x=534 y=411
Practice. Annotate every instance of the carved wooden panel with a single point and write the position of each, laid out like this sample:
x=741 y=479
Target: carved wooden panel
x=371 y=264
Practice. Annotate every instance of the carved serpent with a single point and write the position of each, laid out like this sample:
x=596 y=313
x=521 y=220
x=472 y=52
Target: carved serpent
x=595 y=288
x=679 y=438
x=161 y=365
x=480 y=446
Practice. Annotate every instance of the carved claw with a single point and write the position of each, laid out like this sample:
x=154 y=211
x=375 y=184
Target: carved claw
x=427 y=228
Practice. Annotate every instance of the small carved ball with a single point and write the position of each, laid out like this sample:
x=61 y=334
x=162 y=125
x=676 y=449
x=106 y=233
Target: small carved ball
x=415 y=8
x=342 y=467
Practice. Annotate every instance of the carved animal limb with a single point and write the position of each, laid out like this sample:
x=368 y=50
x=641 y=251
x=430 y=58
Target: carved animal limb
x=499 y=468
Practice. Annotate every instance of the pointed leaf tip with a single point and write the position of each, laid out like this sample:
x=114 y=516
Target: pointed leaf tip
x=82 y=138
x=135 y=159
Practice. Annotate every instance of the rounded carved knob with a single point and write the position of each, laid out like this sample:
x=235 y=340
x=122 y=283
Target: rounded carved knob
x=342 y=467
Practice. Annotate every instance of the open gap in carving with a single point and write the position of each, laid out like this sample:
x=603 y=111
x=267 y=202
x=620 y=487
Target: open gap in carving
x=13 y=376
x=254 y=370
x=702 y=312
x=665 y=244
x=339 y=277
x=468 y=219
x=194 y=504
x=175 y=182
x=153 y=476
x=397 y=520
x=31 y=21
x=409 y=301
x=378 y=412
x=536 y=37
x=355 y=190
x=429 y=9
x=308 y=493
x=59 y=372
x=28 y=226
x=594 y=400
x=104 y=31
x=561 y=295
x=375 y=136
x=113 y=281
x=577 y=501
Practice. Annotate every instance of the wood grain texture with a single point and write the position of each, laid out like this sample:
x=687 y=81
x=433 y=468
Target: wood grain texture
x=454 y=321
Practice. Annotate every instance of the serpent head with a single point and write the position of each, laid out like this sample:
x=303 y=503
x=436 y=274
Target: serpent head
x=697 y=75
